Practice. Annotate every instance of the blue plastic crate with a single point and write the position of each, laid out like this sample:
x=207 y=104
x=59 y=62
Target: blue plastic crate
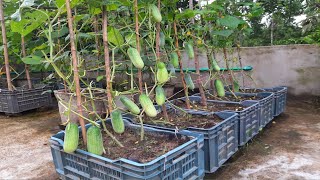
x=220 y=141
x=280 y=99
x=249 y=117
x=183 y=162
x=266 y=105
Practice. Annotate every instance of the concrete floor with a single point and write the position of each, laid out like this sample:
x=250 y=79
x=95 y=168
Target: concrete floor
x=287 y=149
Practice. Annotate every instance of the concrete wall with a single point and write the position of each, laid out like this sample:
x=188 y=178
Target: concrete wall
x=295 y=66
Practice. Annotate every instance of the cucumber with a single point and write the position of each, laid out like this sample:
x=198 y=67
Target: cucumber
x=189 y=81
x=135 y=58
x=215 y=66
x=147 y=105
x=117 y=122
x=219 y=88
x=189 y=50
x=71 y=138
x=236 y=86
x=174 y=59
x=162 y=73
x=160 y=95
x=162 y=40
x=155 y=12
x=130 y=105
x=95 y=142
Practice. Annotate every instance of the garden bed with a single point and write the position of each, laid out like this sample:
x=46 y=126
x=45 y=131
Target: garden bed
x=182 y=162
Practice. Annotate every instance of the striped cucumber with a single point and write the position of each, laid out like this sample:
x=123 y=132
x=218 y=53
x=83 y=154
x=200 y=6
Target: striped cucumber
x=71 y=138
x=219 y=88
x=189 y=81
x=130 y=105
x=160 y=95
x=95 y=142
x=147 y=105
x=117 y=122
x=135 y=58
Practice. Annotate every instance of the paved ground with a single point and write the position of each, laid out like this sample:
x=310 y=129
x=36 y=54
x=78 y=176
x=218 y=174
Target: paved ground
x=287 y=149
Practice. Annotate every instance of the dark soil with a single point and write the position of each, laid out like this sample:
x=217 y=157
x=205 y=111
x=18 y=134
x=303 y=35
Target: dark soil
x=152 y=147
x=181 y=120
x=211 y=106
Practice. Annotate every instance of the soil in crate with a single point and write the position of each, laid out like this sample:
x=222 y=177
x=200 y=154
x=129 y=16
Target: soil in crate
x=211 y=106
x=152 y=147
x=179 y=119
x=231 y=97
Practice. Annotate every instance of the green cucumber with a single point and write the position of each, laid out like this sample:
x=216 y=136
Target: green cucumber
x=130 y=105
x=215 y=66
x=219 y=88
x=160 y=95
x=135 y=58
x=71 y=138
x=147 y=105
x=117 y=122
x=162 y=73
x=95 y=142
x=174 y=59
x=155 y=12
x=162 y=39
x=189 y=81
x=189 y=50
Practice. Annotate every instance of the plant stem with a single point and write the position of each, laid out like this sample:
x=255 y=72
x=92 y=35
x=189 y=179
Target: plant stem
x=24 y=54
x=227 y=66
x=106 y=57
x=180 y=65
x=5 y=46
x=75 y=69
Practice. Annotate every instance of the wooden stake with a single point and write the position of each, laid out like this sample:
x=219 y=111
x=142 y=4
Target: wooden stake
x=138 y=42
x=24 y=54
x=180 y=65
x=75 y=70
x=106 y=57
x=5 y=46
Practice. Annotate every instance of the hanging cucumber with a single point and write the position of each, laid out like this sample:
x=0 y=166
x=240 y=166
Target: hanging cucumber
x=135 y=58
x=236 y=86
x=162 y=39
x=215 y=66
x=117 y=122
x=130 y=105
x=189 y=81
x=219 y=88
x=174 y=59
x=155 y=12
x=189 y=50
x=71 y=138
x=147 y=105
x=95 y=142
x=160 y=95
x=162 y=73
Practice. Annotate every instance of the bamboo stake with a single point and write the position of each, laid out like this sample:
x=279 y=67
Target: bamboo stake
x=24 y=54
x=164 y=108
x=138 y=42
x=5 y=47
x=180 y=65
x=75 y=69
x=106 y=57
x=197 y=65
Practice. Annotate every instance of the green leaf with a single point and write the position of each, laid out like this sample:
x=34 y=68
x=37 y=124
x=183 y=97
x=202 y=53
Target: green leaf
x=115 y=37
x=30 y=22
x=225 y=33
x=32 y=60
x=229 y=21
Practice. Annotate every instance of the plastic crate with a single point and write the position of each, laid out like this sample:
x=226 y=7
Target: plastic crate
x=280 y=99
x=13 y=102
x=220 y=141
x=266 y=105
x=183 y=162
x=249 y=118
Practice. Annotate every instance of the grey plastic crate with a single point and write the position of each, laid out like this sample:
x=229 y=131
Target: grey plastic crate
x=13 y=102
x=249 y=118
x=220 y=141
x=183 y=162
